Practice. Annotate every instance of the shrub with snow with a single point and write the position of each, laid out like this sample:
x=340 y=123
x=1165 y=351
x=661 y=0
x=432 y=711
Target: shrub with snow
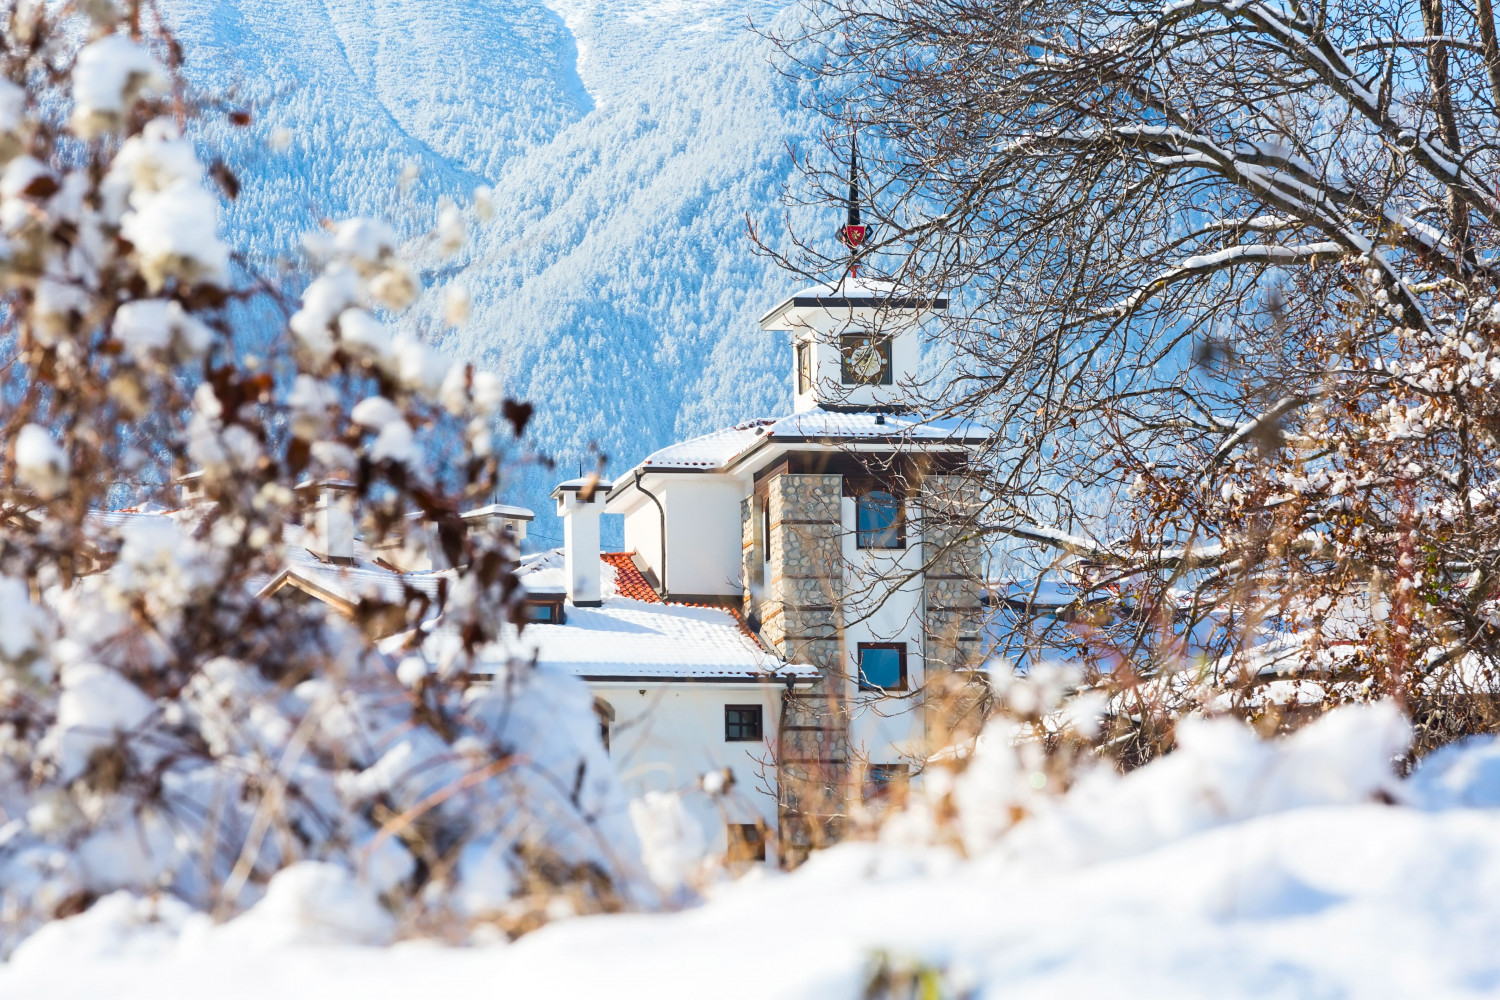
x=169 y=725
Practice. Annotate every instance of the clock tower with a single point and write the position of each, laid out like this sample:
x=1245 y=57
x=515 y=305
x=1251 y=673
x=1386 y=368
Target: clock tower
x=855 y=343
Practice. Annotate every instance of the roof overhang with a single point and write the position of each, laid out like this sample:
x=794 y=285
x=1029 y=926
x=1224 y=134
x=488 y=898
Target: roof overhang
x=793 y=311
x=624 y=497
x=590 y=486
x=341 y=603
x=769 y=447
x=502 y=510
x=720 y=680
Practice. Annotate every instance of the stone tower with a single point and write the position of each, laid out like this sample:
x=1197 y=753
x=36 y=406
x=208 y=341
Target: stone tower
x=849 y=552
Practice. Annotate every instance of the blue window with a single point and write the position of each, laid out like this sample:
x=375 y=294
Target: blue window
x=884 y=780
x=877 y=521
x=545 y=612
x=882 y=666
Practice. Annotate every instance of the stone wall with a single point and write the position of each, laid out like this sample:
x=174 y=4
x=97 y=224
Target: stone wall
x=799 y=618
x=955 y=698
x=813 y=773
x=806 y=573
x=950 y=587
x=797 y=603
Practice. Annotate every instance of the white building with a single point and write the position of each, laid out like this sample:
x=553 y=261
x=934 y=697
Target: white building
x=787 y=594
x=683 y=691
x=826 y=528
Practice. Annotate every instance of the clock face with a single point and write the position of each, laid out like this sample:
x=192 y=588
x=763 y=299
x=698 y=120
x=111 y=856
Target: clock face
x=866 y=362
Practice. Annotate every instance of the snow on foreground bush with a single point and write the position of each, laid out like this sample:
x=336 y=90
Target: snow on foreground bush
x=169 y=723
x=1231 y=867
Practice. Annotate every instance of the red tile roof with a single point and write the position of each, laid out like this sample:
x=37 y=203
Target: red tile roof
x=628 y=580
x=630 y=583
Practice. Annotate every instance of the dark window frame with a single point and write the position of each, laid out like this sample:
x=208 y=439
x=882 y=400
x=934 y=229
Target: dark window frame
x=884 y=781
x=735 y=729
x=765 y=528
x=866 y=538
x=859 y=666
x=849 y=343
x=554 y=605
x=804 y=367
x=747 y=842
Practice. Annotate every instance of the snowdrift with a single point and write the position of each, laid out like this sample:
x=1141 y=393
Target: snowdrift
x=1232 y=868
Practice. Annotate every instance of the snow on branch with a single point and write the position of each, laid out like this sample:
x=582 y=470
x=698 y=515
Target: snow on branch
x=1165 y=557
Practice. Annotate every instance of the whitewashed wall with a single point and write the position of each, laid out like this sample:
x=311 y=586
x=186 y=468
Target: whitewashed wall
x=703 y=531
x=666 y=736
x=824 y=330
x=643 y=533
x=884 y=729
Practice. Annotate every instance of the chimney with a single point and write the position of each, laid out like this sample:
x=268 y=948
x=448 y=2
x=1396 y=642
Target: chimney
x=579 y=504
x=189 y=489
x=503 y=519
x=329 y=529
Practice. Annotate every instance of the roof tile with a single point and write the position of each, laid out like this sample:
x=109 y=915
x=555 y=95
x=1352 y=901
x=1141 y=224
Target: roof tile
x=629 y=582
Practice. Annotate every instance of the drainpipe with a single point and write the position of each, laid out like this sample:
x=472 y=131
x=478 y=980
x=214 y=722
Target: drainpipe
x=663 y=511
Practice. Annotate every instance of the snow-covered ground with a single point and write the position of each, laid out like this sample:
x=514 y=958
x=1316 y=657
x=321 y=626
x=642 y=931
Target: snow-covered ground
x=625 y=143
x=1232 y=868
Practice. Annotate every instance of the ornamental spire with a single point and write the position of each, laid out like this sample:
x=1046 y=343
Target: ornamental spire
x=853 y=233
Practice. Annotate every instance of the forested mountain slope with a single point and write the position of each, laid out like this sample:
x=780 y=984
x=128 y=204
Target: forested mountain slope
x=624 y=142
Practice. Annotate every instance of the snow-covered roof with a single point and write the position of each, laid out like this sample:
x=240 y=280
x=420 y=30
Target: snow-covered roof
x=626 y=639
x=1040 y=594
x=852 y=292
x=365 y=578
x=722 y=449
x=502 y=510
x=580 y=484
x=545 y=573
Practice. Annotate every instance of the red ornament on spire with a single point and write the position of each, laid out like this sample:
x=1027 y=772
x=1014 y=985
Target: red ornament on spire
x=853 y=233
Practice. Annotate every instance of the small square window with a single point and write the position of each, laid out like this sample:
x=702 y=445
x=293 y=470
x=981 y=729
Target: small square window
x=742 y=723
x=804 y=367
x=747 y=842
x=885 y=781
x=544 y=612
x=882 y=666
x=865 y=359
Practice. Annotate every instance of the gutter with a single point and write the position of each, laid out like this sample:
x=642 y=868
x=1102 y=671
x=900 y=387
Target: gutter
x=663 y=511
x=780 y=680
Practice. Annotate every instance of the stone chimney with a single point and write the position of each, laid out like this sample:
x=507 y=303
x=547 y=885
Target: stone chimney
x=579 y=504
x=328 y=530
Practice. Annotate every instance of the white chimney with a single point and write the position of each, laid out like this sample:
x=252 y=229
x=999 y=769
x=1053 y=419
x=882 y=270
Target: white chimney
x=579 y=504
x=329 y=529
x=502 y=518
x=190 y=489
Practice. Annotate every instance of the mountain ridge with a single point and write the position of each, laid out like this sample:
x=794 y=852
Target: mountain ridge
x=626 y=144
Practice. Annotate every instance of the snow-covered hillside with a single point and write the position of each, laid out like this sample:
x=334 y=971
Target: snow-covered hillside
x=625 y=143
